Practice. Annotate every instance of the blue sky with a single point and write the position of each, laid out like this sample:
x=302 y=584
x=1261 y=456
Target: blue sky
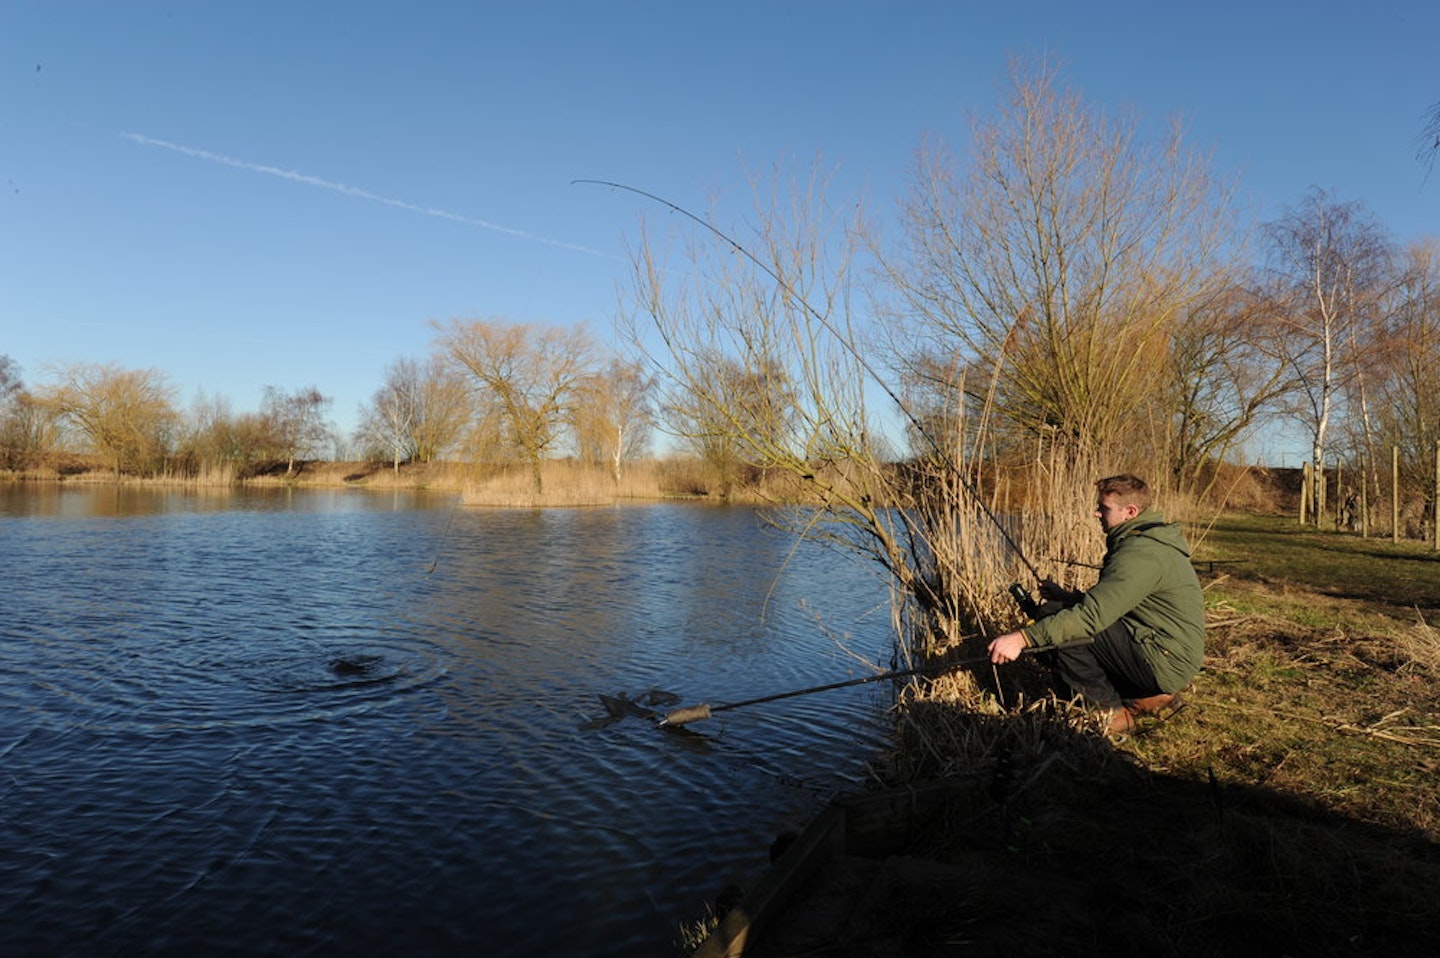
x=288 y=193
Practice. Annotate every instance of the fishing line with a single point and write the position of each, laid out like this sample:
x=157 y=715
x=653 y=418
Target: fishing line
x=445 y=534
x=849 y=347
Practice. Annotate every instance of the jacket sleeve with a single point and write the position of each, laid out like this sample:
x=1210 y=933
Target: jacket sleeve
x=1127 y=578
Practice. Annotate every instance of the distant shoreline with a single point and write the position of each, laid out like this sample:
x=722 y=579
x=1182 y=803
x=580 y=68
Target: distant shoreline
x=566 y=484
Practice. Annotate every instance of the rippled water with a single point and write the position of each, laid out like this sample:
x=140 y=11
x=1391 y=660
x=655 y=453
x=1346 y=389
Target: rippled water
x=339 y=722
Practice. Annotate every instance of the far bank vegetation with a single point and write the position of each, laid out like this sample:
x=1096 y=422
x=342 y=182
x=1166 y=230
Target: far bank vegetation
x=1075 y=293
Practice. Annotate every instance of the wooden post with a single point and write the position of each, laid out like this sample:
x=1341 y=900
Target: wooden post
x=1339 y=490
x=1435 y=498
x=1365 y=473
x=1394 y=493
x=1304 y=491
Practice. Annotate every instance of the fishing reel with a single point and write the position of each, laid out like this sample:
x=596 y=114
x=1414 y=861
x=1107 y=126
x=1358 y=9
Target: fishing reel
x=1025 y=601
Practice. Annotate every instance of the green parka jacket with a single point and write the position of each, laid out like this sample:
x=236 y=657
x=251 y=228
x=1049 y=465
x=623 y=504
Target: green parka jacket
x=1148 y=583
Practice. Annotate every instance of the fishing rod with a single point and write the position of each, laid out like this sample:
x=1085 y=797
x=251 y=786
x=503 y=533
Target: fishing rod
x=698 y=713
x=852 y=350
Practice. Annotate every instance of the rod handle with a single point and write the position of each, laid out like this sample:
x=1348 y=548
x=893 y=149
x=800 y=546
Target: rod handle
x=695 y=713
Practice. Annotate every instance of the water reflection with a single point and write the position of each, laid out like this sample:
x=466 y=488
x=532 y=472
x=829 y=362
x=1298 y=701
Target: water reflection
x=258 y=723
x=100 y=500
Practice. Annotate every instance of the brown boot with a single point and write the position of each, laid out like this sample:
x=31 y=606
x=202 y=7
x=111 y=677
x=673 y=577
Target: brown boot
x=1160 y=706
x=1119 y=723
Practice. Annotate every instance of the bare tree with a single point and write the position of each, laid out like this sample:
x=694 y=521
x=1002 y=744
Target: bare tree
x=387 y=423
x=296 y=422
x=217 y=437
x=206 y=436
x=736 y=414
x=10 y=382
x=530 y=374
x=1408 y=395
x=417 y=413
x=1221 y=380
x=128 y=415
x=757 y=355
x=444 y=409
x=611 y=417
x=1060 y=259
x=1329 y=261
x=27 y=428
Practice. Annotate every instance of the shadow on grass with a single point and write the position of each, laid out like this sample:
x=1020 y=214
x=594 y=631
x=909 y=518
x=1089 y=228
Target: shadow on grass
x=1054 y=841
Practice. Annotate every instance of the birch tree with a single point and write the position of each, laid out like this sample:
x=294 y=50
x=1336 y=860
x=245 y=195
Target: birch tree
x=1328 y=260
x=295 y=422
x=418 y=412
x=612 y=416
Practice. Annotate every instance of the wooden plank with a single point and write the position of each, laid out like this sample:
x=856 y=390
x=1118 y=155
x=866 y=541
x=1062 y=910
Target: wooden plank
x=820 y=840
x=869 y=825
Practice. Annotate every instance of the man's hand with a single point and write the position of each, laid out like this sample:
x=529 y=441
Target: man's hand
x=1007 y=647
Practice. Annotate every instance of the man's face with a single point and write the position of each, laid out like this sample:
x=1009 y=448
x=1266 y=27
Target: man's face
x=1110 y=513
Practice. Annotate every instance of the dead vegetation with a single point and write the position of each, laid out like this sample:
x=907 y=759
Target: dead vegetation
x=1291 y=808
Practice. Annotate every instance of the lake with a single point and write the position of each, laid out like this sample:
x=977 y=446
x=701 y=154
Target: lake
x=324 y=722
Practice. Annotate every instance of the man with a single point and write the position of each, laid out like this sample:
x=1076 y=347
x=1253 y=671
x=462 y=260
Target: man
x=1145 y=616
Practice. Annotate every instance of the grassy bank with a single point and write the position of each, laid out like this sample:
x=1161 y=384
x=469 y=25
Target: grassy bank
x=1293 y=807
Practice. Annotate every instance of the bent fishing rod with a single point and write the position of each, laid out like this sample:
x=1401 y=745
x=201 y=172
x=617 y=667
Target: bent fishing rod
x=698 y=713
x=855 y=353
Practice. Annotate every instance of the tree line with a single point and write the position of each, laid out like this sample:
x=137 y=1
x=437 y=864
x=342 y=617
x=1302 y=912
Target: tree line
x=129 y=419
x=1069 y=286
x=490 y=392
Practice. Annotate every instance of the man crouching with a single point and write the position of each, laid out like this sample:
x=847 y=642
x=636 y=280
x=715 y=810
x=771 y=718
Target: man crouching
x=1145 y=617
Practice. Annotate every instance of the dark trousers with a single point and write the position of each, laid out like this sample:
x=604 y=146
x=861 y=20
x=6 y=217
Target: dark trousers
x=1108 y=669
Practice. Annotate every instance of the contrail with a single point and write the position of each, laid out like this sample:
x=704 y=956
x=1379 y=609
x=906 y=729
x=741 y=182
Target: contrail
x=341 y=188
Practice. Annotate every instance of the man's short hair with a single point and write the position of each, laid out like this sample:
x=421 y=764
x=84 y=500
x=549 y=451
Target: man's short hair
x=1127 y=489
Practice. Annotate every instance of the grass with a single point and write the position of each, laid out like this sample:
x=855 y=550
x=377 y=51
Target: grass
x=1370 y=575
x=1292 y=808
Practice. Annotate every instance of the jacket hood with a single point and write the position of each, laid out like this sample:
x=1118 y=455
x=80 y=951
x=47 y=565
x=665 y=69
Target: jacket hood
x=1152 y=525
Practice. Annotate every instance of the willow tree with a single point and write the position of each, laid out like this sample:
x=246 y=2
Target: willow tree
x=525 y=377
x=128 y=415
x=1060 y=256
